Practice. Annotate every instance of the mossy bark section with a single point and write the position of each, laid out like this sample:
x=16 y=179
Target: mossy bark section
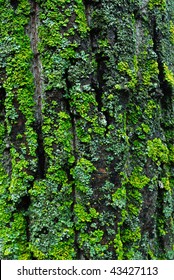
x=86 y=129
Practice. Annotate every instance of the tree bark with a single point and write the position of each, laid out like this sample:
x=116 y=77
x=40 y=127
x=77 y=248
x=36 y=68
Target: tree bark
x=87 y=129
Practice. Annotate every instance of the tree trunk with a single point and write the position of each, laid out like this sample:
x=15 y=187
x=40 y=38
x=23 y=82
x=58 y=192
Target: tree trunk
x=87 y=129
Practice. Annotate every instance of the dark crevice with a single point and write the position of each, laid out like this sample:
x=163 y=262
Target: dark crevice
x=23 y=206
x=14 y=4
x=2 y=100
x=124 y=98
x=160 y=214
x=98 y=97
x=97 y=82
x=76 y=232
x=165 y=90
x=70 y=177
x=37 y=67
x=98 y=86
x=19 y=125
x=40 y=174
x=23 y=203
x=27 y=219
x=32 y=31
x=2 y=119
x=44 y=230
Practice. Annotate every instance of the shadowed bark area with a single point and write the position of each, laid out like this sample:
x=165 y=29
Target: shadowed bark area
x=87 y=129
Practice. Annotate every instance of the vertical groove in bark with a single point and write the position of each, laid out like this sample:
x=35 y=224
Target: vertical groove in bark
x=164 y=91
x=36 y=65
x=74 y=152
x=32 y=31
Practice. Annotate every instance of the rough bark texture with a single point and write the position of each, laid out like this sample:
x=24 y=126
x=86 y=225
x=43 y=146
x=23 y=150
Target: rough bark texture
x=87 y=129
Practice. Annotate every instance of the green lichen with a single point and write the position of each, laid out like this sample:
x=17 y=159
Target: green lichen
x=172 y=32
x=157 y=151
x=161 y=4
x=123 y=67
x=137 y=180
x=119 y=198
x=169 y=76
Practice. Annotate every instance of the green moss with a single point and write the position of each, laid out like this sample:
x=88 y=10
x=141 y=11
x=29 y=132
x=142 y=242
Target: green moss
x=92 y=242
x=166 y=183
x=123 y=67
x=48 y=204
x=169 y=76
x=118 y=245
x=161 y=227
x=2 y=137
x=81 y=17
x=151 y=72
x=150 y=108
x=62 y=251
x=133 y=236
x=137 y=180
x=157 y=151
x=172 y=32
x=83 y=216
x=82 y=101
x=14 y=239
x=119 y=198
x=171 y=153
x=82 y=173
x=39 y=255
x=157 y=3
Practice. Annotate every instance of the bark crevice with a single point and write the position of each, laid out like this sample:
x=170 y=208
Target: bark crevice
x=2 y=101
x=165 y=90
x=36 y=65
x=40 y=173
x=32 y=31
x=14 y=4
x=74 y=151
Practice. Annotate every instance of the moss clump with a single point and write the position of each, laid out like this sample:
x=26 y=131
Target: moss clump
x=169 y=76
x=161 y=4
x=157 y=151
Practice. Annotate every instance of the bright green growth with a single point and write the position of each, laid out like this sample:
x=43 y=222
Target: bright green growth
x=166 y=183
x=82 y=174
x=14 y=239
x=172 y=32
x=83 y=216
x=171 y=153
x=137 y=180
x=157 y=3
x=81 y=17
x=119 y=197
x=63 y=251
x=150 y=72
x=157 y=151
x=118 y=245
x=123 y=67
x=150 y=109
x=130 y=235
x=169 y=76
